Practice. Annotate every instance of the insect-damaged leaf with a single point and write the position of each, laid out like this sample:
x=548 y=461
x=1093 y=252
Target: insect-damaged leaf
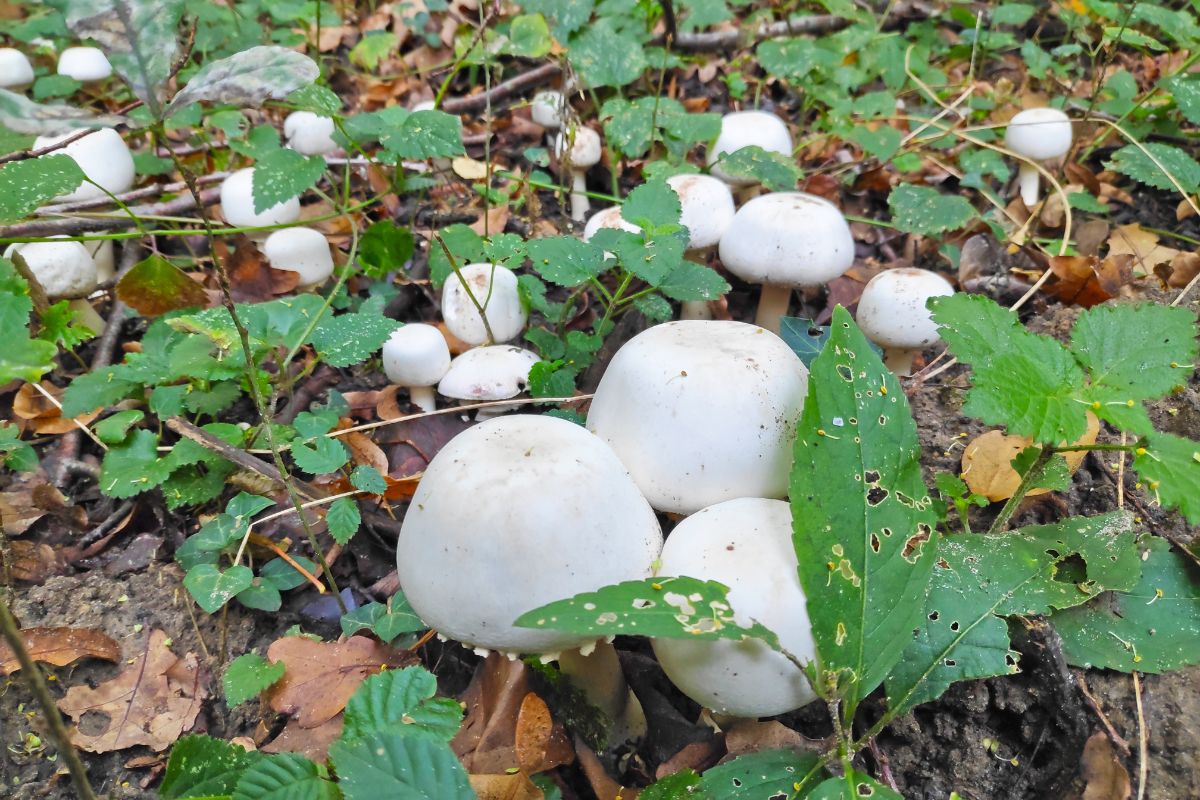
x=249 y=78
x=979 y=579
x=863 y=519
x=21 y=115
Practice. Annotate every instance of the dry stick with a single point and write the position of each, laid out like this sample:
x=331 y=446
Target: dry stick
x=722 y=40
x=74 y=226
x=1143 y=739
x=526 y=80
x=155 y=190
x=1113 y=736
x=21 y=155
x=460 y=410
x=54 y=401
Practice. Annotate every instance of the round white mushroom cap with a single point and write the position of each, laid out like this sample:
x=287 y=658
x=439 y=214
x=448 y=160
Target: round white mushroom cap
x=237 y=204
x=514 y=513
x=892 y=310
x=702 y=411
x=488 y=373
x=546 y=108
x=416 y=355
x=424 y=105
x=746 y=128
x=585 y=148
x=1039 y=133
x=607 y=218
x=745 y=544
x=707 y=207
x=495 y=289
x=64 y=269
x=788 y=239
x=102 y=254
x=104 y=158
x=309 y=134
x=15 y=69
x=301 y=250
x=84 y=64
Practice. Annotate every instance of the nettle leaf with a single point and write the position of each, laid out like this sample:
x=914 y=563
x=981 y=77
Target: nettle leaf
x=248 y=676
x=287 y=776
x=1139 y=351
x=201 y=766
x=603 y=56
x=213 y=588
x=368 y=479
x=806 y=338
x=1169 y=467
x=155 y=286
x=1131 y=160
x=394 y=765
x=401 y=701
x=248 y=79
x=651 y=205
x=924 y=210
x=343 y=519
x=566 y=260
x=425 y=134
x=1186 y=91
x=281 y=175
x=776 y=171
x=27 y=184
x=26 y=359
x=692 y=281
x=1152 y=627
x=765 y=774
x=864 y=524
x=320 y=456
x=980 y=579
x=348 y=339
x=632 y=126
x=21 y=115
x=677 y=785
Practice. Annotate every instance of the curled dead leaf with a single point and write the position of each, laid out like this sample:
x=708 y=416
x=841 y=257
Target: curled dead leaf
x=505 y=787
x=43 y=416
x=33 y=562
x=251 y=278
x=60 y=646
x=987 y=461
x=1140 y=244
x=1106 y=777
x=535 y=727
x=1087 y=280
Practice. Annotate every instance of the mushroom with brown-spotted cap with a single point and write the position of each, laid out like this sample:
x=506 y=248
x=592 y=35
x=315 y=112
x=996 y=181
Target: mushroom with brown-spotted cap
x=417 y=357
x=892 y=312
x=1039 y=134
x=578 y=150
x=607 y=218
x=492 y=288
x=487 y=374
x=707 y=210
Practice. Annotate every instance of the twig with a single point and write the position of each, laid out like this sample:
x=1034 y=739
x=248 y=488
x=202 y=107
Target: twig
x=21 y=155
x=74 y=226
x=1143 y=739
x=54 y=400
x=524 y=401
x=234 y=454
x=1113 y=736
x=156 y=190
x=100 y=531
x=723 y=40
x=526 y=80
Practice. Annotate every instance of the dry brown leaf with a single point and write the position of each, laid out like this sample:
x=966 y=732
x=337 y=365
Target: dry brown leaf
x=1106 y=777
x=535 y=727
x=751 y=736
x=251 y=278
x=321 y=676
x=152 y=702
x=469 y=169
x=505 y=787
x=1088 y=281
x=309 y=742
x=365 y=452
x=29 y=498
x=34 y=562
x=1090 y=235
x=604 y=787
x=1182 y=269
x=492 y=222
x=43 y=415
x=1142 y=245
x=60 y=646
x=987 y=461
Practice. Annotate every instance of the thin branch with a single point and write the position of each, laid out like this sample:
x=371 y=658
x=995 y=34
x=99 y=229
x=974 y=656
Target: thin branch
x=724 y=40
x=75 y=226
x=515 y=85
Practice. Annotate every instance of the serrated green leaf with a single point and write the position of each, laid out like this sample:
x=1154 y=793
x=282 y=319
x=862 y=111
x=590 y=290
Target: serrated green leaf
x=528 y=37
x=368 y=479
x=765 y=774
x=1055 y=474
x=401 y=701
x=285 y=776
x=27 y=184
x=1169 y=468
x=676 y=786
x=60 y=328
x=1186 y=92
x=316 y=98
x=14 y=453
x=652 y=205
x=201 y=766
x=348 y=339
x=384 y=247
x=604 y=56
x=282 y=175
x=1132 y=161
x=924 y=210
x=777 y=172
x=393 y=765
x=653 y=257
x=321 y=456
x=1138 y=352
x=21 y=115
x=112 y=430
x=26 y=359
x=881 y=143
x=425 y=134
x=692 y=281
x=248 y=676
x=566 y=260
x=343 y=519
x=248 y=79
x=632 y=126
x=213 y=588
x=864 y=524
x=133 y=467
x=654 y=308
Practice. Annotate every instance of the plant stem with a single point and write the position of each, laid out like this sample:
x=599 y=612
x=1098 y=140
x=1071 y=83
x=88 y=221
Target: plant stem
x=487 y=326
x=1027 y=480
x=1076 y=448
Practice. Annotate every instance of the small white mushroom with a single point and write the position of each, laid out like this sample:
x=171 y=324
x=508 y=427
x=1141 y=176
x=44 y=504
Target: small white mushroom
x=892 y=313
x=64 y=269
x=578 y=150
x=84 y=64
x=104 y=158
x=237 y=204
x=417 y=357
x=607 y=218
x=15 y=70
x=309 y=134
x=301 y=250
x=1040 y=134
x=487 y=374
x=101 y=251
x=707 y=211
x=494 y=289
x=745 y=129
x=547 y=109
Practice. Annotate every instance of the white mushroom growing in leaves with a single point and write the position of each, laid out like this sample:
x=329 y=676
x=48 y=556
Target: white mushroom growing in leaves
x=237 y=204
x=304 y=251
x=15 y=70
x=745 y=544
x=892 y=313
x=578 y=150
x=1039 y=134
x=488 y=374
x=748 y=129
x=309 y=134
x=707 y=210
x=786 y=240
x=548 y=109
x=417 y=357
x=63 y=269
x=84 y=64
x=103 y=157
x=493 y=289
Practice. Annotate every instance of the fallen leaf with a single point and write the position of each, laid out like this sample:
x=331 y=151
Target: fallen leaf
x=251 y=278
x=1142 y=245
x=751 y=736
x=603 y=786
x=1105 y=776
x=365 y=452
x=987 y=461
x=469 y=169
x=44 y=416
x=60 y=646
x=534 y=730
x=30 y=497
x=492 y=222
x=310 y=742
x=33 y=562
x=1087 y=280
x=505 y=787
x=155 y=286
x=152 y=702
x=1182 y=269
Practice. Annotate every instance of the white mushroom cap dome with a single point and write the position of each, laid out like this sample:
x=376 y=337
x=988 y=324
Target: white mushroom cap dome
x=1039 y=133
x=416 y=355
x=745 y=544
x=64 y=269
x=514 y=513
x=547 y=108
x=84 y=64
x=15 y=69
x=746 y=128
x=309 y=134
x=607 y=218
x=585 y=147
x=495 y=289
x=301 y=250
x=237 y=204
x=788 y=239
x=702 y=411
x=488 y=373
x=707 y=207
x=892 y=310
x=104 y=158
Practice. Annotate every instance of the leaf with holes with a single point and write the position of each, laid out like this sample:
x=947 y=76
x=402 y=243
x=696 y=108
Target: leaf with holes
x=248 y=79
x=25 y=185
x=348 y=339
x=201 y=766
x=393 y=765
x=805 y=337
x=767 y=773
x=1172 y=162
x=853 y=786
x=19 y=114
x=776 y=171
x=248 y=676
x=924 y=210
x=402 y=701
x=864 y=524
x=281 y=175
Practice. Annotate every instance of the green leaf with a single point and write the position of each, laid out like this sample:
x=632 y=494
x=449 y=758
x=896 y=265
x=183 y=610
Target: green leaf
x=248 y=676
x=924 y=210
x=632 y=126
x=853 y=786
x=201 y=766
x=285 y=776
x=343 y=519
x=385 y=620
x=401 y=701
x=27 y=184
x=260 y=595
x=1153 y=627
x=1186 y=91
x=1132 y=161
x=776 y=171
x=1169 y=467
x=665 y=608
x=320 y=456
x=566 y=260
x=132 y=467
x=1138 y=352
x=59 y=326
x=676 y=786
x=755 y=776
x=212 y=588
x=282 y=175
x=566 y=16
x=864 y=524
x=652 y=205
x=882 y=143
x=21 y=115
x=528 y=37
x=283 y=576
x=980 y=579
x=384 y=247
x=425 y=134
x=26 y=359
x=654 y=308
x=248 y=79
x=155 y=286
x=393 y=765
x=113 y=430
x=463 y=243
x=348 y=339
x=368 y=479
x=806 y=338
x=692 y=281
x=603 y=56
x=14 y=453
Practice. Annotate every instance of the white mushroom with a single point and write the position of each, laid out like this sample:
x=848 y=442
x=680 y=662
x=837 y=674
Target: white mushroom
x=84 y=64
x=64 y=269
x=607 y=218
x=237 y=204
x=101 y=251
x=309 y=134
x=745 y=544
x=783 y=241
x=492 y=288
x=578 y=150
x=702 y=411
x=745 y=129
x=104 y=158
x=417 y=357
x=15 y=70
x=486 y=374
x=707 y=210
x=301 y=250
x=1040 y=134
x=547 y=109
x=892 y=313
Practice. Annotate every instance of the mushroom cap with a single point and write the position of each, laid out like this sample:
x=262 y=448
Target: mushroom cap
x=514 y=513
x=702 y=411
x=309 y=134
x=416 y=355
x=104 y=158
x=547 y=107
x=788 y=239
x=488 y=373
x=237 y=204
x=495 y=288
x=15 y=69
x=585 y=147
x=745 y=544
x=84 y=64
x=301 y=250
x=102 y=254
x=892 y=310
x=64 y=269
x=707 y=207
x=745 y=128
x=1039 y=133
x=607 y=218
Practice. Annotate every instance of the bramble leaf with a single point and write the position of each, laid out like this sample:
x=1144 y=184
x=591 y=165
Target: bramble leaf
x=249 y=675
x=201 y=766
x=1169 y=467
x=1137 y=352
x=776 y=171
x=343 y=519
x=27 y=184
x=566 y=260
x=394 y=765
x=402 y=701
x=1132 y=161
x=285 y=775
x=925 y=210
x=348 y=339
x=604 y=56
x=281 y=175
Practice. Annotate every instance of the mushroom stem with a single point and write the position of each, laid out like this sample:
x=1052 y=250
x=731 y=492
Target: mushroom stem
x=422 y=397
x=772 y=305
x=899 y=360
x=580 y=205
x=1029 y=181
x=598 y=675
